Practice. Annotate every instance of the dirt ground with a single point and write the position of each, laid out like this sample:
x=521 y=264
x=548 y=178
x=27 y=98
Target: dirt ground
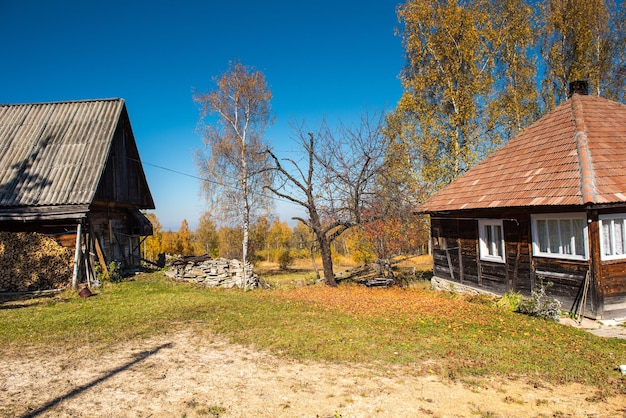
x=183 y=374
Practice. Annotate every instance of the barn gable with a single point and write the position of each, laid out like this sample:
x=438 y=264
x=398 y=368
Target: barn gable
x=73 y=168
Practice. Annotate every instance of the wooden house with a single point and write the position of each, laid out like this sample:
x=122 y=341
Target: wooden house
x=549 y=206
x=72 y=170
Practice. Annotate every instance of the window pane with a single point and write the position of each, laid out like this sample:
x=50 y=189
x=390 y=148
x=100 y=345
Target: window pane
x=542 y=229
x=606 y=237
x=553 y=236
x=618 y=236
x=560 y=235
x=498 y=241
x=489 y=239
x=579 y=236
x=566 y=236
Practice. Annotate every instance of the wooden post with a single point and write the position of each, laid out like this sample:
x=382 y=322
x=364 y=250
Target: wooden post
x=596 y=291
x=460 y=254
x=77 y=255
x=479 y=264
x=445 y=247
x=518 y=255
x=89 y=273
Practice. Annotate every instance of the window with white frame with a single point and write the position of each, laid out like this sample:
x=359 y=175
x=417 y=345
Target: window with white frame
x=612 y=236
x=491 y=240
x=560 y=235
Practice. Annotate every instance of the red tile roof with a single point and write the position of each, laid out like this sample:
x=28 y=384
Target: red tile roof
x=574 y=155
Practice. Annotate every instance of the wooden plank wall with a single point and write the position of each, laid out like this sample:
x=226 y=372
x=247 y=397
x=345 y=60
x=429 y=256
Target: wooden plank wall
x=456 y=257
x=565 y=279
x=113 y=231
x=614 y=289
x=518 y=256
x=467 y=232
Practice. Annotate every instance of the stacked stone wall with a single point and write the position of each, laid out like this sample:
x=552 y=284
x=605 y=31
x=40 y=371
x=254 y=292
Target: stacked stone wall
x=213 y=272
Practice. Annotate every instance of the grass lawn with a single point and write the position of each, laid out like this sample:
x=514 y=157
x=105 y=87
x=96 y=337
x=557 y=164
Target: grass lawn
x=431 y=332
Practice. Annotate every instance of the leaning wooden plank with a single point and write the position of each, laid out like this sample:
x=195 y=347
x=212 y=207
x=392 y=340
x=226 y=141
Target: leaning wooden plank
x=101 y=260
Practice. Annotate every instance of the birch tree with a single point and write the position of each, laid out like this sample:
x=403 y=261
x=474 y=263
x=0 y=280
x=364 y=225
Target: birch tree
x=232 y=160
x=469 y=83
x=583 y=40
x=447 y=71
x=516 y=101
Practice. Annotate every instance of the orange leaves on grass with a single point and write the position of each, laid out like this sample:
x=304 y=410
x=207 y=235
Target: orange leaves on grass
x=392 y=302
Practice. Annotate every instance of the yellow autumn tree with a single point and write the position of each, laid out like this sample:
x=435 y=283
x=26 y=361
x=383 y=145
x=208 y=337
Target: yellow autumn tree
x=447 y=71
x=258 y=239
x=583 y=40
x=153 y=245
x=183 y=239
x=168 y=242
x=229 y=242
x=278 y=239
x=468 y=84
x=205 y=238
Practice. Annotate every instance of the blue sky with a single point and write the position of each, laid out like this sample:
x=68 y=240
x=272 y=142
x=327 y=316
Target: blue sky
x=331 y=59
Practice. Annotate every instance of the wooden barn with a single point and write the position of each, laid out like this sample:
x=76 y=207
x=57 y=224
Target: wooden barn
x=549 y=206
x=72 y=170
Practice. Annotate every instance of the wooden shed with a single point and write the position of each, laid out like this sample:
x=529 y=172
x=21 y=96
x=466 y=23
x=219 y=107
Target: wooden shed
x=72 y=170
x=549 y=206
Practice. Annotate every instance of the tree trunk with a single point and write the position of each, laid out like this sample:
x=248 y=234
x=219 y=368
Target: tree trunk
x=246 y=230
x=323 y=242
x=327 y=262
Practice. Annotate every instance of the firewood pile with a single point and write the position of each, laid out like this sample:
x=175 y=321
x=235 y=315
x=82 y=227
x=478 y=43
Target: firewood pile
x=212 y=272
x=30 y=261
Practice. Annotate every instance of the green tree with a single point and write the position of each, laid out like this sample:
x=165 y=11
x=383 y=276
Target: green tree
x=233 y=161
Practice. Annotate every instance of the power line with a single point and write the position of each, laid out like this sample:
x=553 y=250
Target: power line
x=229 y=186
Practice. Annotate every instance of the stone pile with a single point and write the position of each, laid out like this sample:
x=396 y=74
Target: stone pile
x=213 y=272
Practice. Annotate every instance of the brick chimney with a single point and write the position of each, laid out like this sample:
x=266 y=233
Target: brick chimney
x=578 y=87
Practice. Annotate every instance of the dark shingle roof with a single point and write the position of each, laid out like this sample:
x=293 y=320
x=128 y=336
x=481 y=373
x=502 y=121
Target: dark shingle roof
x=574 y=155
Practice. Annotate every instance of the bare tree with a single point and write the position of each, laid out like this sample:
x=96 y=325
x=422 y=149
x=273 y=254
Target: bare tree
x=336 y=180
x=233 y=162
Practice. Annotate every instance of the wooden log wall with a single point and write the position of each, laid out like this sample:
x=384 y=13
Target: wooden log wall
x=456 y=257
x=613 y=289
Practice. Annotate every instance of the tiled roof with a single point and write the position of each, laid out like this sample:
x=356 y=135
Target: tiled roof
x=574 y=155
x=55 y=153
